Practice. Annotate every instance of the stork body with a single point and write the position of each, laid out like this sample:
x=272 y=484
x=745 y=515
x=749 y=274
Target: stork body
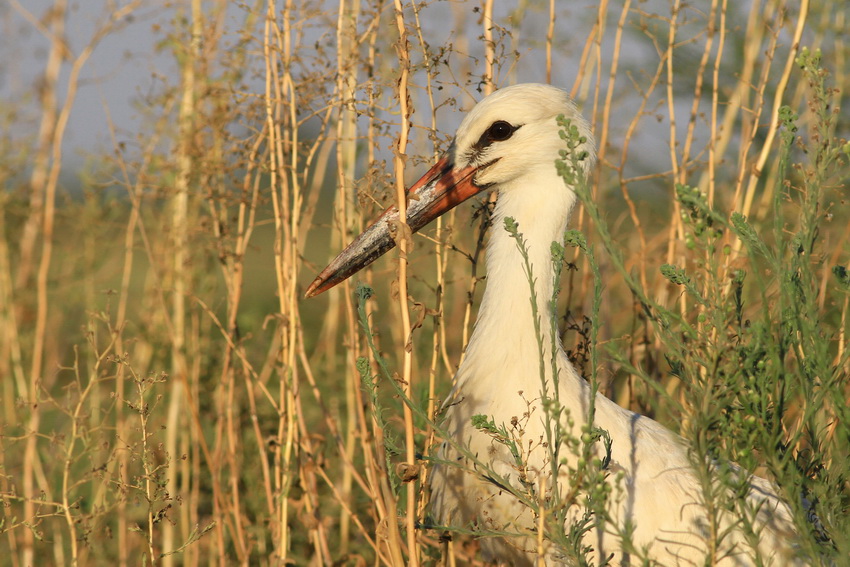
x=510 y=142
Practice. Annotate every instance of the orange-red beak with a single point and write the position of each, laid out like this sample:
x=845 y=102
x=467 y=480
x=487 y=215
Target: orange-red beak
x=441 y=189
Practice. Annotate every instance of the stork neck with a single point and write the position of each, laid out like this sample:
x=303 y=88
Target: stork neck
x=506 y=319
x=510 y=286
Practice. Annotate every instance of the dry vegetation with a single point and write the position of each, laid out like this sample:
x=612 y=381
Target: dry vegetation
x=168 y=397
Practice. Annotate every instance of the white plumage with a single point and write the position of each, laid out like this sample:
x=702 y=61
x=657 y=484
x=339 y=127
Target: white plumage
x=510 y=142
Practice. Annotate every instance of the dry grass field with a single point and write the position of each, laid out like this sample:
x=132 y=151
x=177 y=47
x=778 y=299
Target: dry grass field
x=170 y=398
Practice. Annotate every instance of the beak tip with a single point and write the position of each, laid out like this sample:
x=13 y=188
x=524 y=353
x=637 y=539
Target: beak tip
x=314 y=289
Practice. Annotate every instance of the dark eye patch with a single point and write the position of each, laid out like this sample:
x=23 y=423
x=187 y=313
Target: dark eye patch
x=499 y=131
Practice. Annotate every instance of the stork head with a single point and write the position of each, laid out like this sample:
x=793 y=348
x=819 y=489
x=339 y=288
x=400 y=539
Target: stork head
x=508 y=135
x=513 y=132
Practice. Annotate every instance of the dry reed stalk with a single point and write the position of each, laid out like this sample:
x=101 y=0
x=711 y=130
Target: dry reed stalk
x=147 y=466
x=184 y=429
x=346 y=148
x=676 y=229
x=233 y=271
x=440 y=256
x=487 y=87
x=11 y=365
x=277 y=44
x=686 y=161
x=179 y=236
x=684 y=171
x=722 y=136
x=38 y=223
x=767 y=146
x=604 y=130
x=404 y=243
x=593 y=113
x=711 y=171
x=371 y=436
x=638 y=354
x=625 y=182
x=489 y=47
x=550 y=34
x=292 y=207
x=751 y=117
x=53 y=30
x=585 y=61
x=593 y=45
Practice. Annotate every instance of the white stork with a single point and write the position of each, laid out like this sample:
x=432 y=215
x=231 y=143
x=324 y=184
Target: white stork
x=510 y=142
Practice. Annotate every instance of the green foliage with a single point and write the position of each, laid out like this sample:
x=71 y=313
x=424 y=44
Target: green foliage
x=503 y=436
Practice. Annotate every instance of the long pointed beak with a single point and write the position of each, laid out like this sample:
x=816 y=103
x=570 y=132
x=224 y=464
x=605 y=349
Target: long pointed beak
x=441 y=189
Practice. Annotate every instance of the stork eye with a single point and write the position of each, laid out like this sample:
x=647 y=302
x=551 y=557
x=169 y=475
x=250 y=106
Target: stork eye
x=500 y=131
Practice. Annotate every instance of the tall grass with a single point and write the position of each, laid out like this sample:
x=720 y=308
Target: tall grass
x=168 y=397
